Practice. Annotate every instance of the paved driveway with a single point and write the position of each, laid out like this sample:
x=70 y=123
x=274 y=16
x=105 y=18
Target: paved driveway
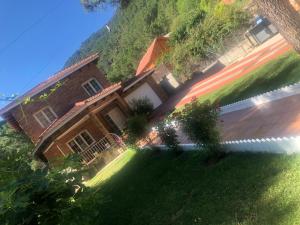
x=278 y=118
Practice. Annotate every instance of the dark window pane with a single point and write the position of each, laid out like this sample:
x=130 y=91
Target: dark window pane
x=74 y=146
x=88 y=139
x=42 y=119
x=80 y=142
x=95 y=85
x=49 y=114
x=89 y=89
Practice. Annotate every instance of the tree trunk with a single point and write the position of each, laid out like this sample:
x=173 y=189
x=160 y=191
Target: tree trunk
x=282 y=14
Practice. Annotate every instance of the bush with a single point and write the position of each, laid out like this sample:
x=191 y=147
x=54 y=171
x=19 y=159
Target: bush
x=199 y=122
x=36 y=196
x=142 y=106
x=136 y=127
x=167 y=134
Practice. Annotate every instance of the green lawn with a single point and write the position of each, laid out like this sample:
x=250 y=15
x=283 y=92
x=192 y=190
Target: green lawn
x=112 y=168
x=277 y=73
x=159 y=188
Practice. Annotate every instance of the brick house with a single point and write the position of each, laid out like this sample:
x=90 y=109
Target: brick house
x=83 y=114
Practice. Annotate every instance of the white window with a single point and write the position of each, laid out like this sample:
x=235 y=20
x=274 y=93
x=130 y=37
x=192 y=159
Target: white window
x=92 y=87
x=45 y=117
x=81 y=142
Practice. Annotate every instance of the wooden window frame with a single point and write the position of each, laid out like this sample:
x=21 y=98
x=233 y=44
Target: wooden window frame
x=91 y=86
x=79 y=134
x=45 y=115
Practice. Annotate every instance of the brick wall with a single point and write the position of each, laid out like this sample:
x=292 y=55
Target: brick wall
x=61 y=101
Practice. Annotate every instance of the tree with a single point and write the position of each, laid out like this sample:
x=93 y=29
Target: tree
x=282 y=14
x=91 y=5
x=34 y=196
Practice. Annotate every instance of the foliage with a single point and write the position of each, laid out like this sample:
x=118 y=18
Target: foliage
x=142 y=106
x=199 y=122
x=30 y=196
x=91 y=5
x=131 y=31
x=136 y=127
x=200 y=35
x=167 y=134
x=15 y=154
x=197 y=28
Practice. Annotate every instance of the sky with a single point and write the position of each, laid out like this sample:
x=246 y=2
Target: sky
x=37 y=38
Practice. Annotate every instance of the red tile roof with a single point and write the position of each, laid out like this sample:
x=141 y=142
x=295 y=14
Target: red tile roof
x=70 y=114
x=50 y=81
x=155 y=50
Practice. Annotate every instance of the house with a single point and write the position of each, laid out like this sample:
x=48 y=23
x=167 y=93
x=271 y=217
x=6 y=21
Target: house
x=162 y=73
x=82 y=115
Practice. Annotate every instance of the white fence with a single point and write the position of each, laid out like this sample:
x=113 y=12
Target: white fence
x=283 y=145
x=277 y=94
x=287 y=145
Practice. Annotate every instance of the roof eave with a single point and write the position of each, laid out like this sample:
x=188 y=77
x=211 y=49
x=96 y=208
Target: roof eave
x=15 y=103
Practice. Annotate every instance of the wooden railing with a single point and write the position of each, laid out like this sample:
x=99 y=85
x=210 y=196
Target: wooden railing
x=108 y=143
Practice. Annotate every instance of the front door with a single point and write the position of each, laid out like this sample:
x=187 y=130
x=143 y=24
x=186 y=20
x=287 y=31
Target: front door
x=116 y=119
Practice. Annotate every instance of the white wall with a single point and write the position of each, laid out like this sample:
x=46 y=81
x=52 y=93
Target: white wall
x=144 y=91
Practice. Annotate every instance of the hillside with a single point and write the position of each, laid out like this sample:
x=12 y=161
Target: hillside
x=134 y=27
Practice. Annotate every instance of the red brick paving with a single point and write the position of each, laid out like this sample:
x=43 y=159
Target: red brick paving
x=274 y=119
x=236 y=70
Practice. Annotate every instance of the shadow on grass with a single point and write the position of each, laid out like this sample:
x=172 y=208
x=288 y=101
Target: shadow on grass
x=276 y=74
x=164 y=189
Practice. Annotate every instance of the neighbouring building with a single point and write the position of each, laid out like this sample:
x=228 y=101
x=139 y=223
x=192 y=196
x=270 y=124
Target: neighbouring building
x=81 y=116
x=162 y=73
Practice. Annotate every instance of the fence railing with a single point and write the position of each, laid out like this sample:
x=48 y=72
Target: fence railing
x=107 y=143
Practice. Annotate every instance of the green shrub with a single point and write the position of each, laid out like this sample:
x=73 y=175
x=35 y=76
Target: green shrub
x=167 y=134
x=142 y=106
x=136 y=127
x=199 y=122
x=37 y=196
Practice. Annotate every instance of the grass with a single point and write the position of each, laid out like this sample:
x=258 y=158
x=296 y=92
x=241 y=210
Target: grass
x=278 y=73
x=113 y=167
x=159 y=188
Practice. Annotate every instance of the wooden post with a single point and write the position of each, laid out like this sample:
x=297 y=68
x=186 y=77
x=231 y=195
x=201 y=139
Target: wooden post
x=124 y=104
x=101 y=127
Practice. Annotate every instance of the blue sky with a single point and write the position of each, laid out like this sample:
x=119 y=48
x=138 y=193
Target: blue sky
x=44 y=47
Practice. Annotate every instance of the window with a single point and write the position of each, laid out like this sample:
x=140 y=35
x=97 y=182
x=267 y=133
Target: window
x=92 y=87
x=81 y=142
x=45 y=117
